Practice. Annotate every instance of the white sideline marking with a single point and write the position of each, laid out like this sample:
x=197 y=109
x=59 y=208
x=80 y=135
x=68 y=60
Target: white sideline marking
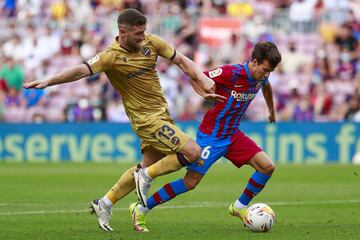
x=198 y=205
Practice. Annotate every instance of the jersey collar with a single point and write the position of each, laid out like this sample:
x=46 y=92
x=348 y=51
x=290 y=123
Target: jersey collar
x=248 y=72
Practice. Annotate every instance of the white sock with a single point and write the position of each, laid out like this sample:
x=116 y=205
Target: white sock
x=143 y=209
x=106 y=203
x=238 y=204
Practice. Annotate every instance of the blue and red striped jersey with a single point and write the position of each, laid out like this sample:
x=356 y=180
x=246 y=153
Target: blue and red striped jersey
x=235 y=83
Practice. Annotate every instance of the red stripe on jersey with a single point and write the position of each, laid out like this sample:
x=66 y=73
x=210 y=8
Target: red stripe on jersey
x=169 y=190
x=233 y=117
x=223 y=121
x=157 y=198
x=255 y=184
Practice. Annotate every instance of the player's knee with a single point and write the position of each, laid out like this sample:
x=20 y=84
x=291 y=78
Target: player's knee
x=193 y=153
x=269 y=168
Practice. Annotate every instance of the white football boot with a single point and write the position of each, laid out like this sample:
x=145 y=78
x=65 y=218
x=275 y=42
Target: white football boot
x=103 y=215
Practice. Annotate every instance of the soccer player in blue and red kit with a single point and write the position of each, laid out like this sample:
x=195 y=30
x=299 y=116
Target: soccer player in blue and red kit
x=219 y=133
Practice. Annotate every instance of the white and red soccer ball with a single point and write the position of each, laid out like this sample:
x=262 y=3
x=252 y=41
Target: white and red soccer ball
x=260 y=217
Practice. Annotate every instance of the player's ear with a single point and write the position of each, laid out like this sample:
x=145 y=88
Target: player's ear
x=122 y=30
x=254 y=62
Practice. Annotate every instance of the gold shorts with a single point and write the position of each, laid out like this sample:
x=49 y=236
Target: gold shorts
x=164 y=136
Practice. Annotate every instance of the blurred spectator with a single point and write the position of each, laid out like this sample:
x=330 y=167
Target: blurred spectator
x=232 y=51
x=353 y=110
x=60 y=10
x=294 y=60
x=345 y=40
x=82 y=111
x=115 y=112
x=12 y=98
x=32 y=96
x=301 y=12
x=9 y=8
x=303 y=110
x=318 y=75
x=12 y=73
x=322 y=102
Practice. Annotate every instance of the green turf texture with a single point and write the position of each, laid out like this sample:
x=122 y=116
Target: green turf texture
x=49 y=201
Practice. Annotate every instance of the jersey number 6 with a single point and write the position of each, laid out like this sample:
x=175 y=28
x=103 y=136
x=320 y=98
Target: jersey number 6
x=205 y=153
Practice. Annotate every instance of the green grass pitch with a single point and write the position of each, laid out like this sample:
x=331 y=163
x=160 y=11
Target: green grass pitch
x=50 y=201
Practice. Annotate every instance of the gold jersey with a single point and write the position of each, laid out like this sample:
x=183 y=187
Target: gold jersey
x=134 y=76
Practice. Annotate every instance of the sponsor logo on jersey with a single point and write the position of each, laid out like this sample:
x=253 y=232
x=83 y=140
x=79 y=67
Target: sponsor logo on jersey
x=140 y=71
x=175 y=140
x=93 y=60
x=216 y=72
x=146 y=51
x=243 y=96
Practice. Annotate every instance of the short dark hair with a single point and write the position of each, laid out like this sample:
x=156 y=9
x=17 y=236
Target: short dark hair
x=131 y=17
x=266 y=51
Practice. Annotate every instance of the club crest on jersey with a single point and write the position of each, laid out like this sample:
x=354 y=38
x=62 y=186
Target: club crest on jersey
x=124 y=59
x=216 y=72
x=146 y=51
x=175 y=140
x=200 y=163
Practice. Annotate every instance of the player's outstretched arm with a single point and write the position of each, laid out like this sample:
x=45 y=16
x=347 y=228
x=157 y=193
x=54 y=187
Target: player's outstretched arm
x=268 y=95
x=193 y=71
x=69 y=75
x=202 y=84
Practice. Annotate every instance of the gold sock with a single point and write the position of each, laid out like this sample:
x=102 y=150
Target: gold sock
x=124 y=185
x=168 y=164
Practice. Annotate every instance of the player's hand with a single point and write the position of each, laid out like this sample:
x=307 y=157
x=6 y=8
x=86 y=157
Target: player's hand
x=214 y=97
x=35 y=84
x=208 y=85
x=272 y=117
x=208 y=92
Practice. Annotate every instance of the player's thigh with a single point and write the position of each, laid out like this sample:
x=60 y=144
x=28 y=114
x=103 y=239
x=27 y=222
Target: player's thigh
x=242 y=149
x=150 y=156
x=163 y=136
x=209 y=155
x=262 y=163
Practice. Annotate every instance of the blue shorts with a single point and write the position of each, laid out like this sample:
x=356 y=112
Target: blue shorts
x=238 y=148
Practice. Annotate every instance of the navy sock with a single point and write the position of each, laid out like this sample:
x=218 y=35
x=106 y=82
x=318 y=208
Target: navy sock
x=254 y=186
x=166 y=193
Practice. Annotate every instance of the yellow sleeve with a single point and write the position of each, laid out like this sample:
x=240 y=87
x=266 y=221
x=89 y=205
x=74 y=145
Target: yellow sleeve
x=100 y=62
x=163 y=48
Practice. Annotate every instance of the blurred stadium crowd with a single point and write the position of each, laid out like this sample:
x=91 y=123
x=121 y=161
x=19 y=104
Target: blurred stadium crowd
x=318 y=80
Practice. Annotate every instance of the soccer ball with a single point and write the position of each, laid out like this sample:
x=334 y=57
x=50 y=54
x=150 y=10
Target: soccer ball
x=260 y=217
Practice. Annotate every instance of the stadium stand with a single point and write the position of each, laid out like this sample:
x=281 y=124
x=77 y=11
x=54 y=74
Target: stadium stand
x=318 y=79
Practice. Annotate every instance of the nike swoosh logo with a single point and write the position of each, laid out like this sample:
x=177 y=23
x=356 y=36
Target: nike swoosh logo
x=238 y=85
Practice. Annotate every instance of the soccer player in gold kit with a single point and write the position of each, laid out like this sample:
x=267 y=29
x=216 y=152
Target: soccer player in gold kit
x=130 y=64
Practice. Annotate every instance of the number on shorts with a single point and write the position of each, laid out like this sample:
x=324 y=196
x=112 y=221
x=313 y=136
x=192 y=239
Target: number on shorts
x=205 y=153
x=166 y=132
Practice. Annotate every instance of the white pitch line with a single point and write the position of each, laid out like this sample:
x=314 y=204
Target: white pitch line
x=198 y=205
